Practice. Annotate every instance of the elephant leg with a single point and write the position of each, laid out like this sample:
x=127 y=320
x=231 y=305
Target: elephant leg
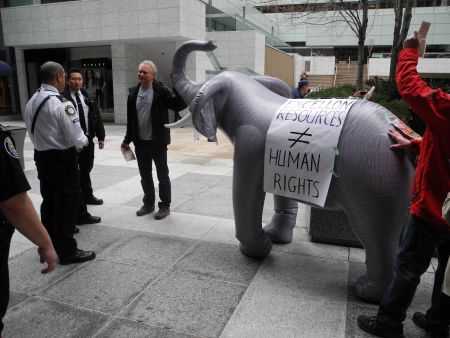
x=248 y=193
x=281 y=228
x=378 y=228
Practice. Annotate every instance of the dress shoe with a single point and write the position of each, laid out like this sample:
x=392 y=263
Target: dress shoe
x=372 y=325
x=163 y=212
x=89 y=220
x=144 y=210
x=79 y=256
x=76 y=230
x=92 y=200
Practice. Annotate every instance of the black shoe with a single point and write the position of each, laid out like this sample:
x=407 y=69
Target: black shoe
x=92 y=200
x=372 y=325
x=144 y=210
x=435 y=330
x=89 y=220
x=163 y=212
x=79 y=256
x=76 y=230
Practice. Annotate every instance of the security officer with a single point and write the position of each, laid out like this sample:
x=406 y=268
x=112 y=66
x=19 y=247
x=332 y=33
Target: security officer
x=54 y=128
x=16 y=209
x=92 y=125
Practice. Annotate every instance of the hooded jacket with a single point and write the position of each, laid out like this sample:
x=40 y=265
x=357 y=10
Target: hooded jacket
x=432 y=180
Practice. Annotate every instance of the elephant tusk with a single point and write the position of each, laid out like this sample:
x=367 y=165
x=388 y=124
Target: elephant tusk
x=185 y=121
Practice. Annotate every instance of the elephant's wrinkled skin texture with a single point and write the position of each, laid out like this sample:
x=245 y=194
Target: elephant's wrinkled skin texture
x=373 y=183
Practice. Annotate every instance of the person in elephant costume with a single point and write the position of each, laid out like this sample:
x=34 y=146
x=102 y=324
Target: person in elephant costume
x=372 y=184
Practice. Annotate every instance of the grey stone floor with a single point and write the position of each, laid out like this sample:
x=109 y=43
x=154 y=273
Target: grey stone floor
x=184 y=276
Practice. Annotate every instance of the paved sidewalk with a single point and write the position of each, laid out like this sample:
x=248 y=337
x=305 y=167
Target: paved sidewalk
x=184 y=276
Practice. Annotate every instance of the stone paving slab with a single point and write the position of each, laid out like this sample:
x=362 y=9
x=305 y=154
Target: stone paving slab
x=25 y=273
x=293 y=296
x=102 y=285
x=148 y=250
x=217 y=261
x=16 y=298
x=40 y=318
x=124 y=328
x=189 y=303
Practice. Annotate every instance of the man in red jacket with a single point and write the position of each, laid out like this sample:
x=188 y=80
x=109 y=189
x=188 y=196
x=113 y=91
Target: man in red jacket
x=427 y=230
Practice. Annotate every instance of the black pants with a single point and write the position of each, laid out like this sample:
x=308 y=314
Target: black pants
x=60 y=190
x=419 y=241
x=85 y=163
x=6 y=233
x=146 y=152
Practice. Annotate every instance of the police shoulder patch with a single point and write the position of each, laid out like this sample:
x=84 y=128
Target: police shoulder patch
x=10 y=148
x=70 y=110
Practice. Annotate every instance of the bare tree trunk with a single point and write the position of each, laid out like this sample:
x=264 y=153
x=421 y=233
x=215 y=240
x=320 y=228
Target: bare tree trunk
x=361 y=41
x=402 y=22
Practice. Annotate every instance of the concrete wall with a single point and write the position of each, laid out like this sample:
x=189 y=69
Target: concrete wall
x=125 y=61
x=101 y=20
x=21 y=79
x=380 y=67
x=319 y=65
x=135 y=30
x=240 y=49
x=279 y=65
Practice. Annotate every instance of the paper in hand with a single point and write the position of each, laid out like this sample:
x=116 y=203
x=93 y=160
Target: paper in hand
x=128 y=154
x=422 y=35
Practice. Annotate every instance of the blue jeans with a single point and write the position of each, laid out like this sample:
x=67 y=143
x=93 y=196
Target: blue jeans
x=416 y=250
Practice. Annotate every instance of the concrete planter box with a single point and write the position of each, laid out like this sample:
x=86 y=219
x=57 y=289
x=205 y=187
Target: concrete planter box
x=332 y=227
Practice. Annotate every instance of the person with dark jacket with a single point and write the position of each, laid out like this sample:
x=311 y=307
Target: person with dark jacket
x=92 y=125
x=17 y=211
x=147 y=112
x=427 y=229
x=301 y=91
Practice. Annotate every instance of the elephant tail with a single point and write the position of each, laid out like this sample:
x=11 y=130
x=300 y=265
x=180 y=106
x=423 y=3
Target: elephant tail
x=184 y=86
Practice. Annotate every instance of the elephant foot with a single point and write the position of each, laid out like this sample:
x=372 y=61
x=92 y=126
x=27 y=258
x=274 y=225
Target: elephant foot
x=259 y=248
x=281 y=229
x=368 y=290
x=279 y=235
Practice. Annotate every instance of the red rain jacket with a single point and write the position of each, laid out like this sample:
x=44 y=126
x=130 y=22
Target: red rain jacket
x=432 y=180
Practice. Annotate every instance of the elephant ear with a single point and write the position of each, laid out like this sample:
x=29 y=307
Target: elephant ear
x=203 y=108
x=205 y=123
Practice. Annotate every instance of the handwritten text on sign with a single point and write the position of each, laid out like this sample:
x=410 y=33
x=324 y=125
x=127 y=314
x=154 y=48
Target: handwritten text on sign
x=300 y=148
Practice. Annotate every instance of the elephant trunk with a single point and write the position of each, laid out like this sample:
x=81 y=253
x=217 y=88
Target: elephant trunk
x=184 y=86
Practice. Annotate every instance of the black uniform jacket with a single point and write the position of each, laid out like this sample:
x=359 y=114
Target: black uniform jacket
x=95 y=122
x=163 y=100
x=12 y=178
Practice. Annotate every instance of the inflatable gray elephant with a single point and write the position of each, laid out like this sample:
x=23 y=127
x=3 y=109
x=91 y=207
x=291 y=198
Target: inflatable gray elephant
x=373 y=183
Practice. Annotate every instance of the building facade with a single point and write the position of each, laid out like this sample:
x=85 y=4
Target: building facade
x=107 y=39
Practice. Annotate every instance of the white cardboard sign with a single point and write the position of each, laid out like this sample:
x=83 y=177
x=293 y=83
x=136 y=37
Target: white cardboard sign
x=301 y=145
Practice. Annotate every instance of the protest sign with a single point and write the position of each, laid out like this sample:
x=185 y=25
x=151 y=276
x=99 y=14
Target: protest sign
x=301 y=146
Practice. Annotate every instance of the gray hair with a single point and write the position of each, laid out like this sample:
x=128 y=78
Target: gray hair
x=49 y=70
x=151 y=65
